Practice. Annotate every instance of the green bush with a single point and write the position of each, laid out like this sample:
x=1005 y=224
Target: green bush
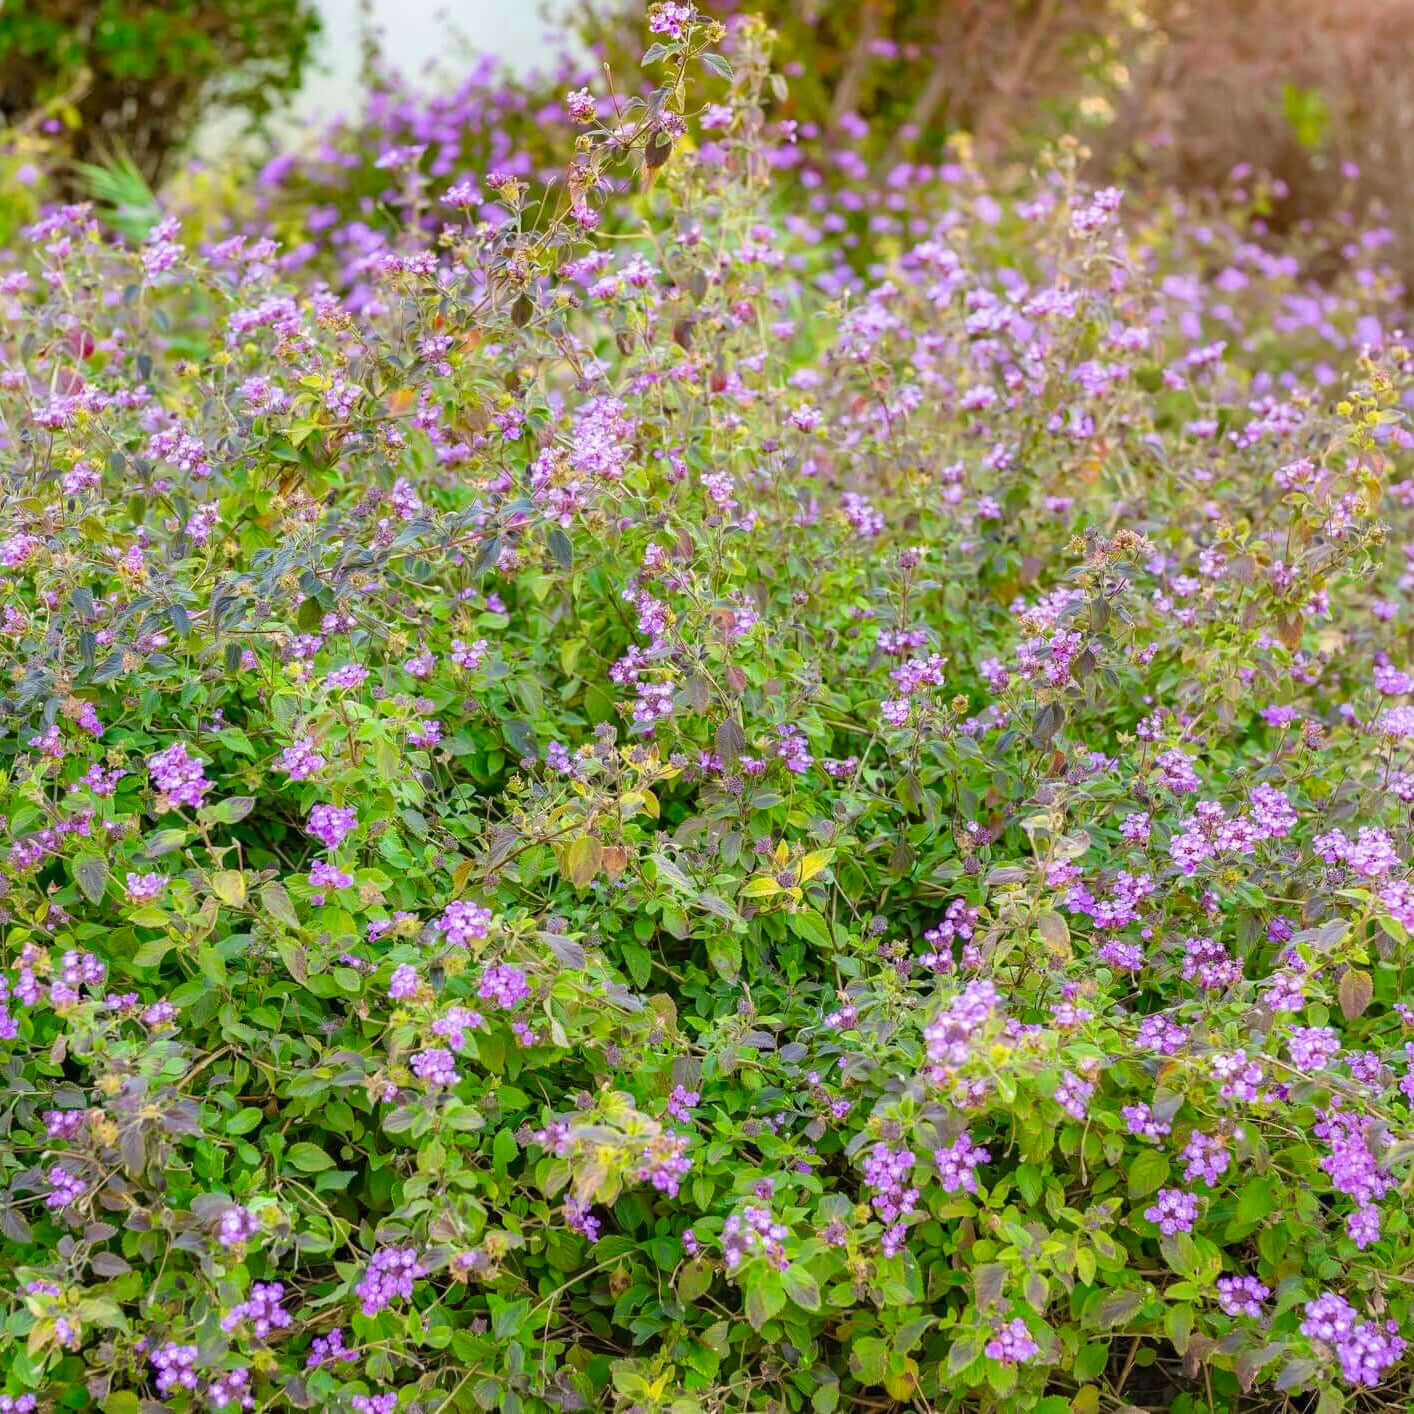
x=607 y=825
x=138 y=74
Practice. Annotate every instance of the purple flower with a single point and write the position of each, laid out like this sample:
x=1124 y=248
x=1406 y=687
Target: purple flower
x=389 y=1277
x=754 y=1232
x=177 y=777
x=404 y=982
x=504 y=985
x=1012 y=1344
x=323 y=875
x=436 y=1067
x=236 y=1227
x=65 y=1189
x=889 y=1173
x=176 y=1367
x=580 y=1218
x=1073 y=1095
x=664 y=1163
x=145 y=888
x=1363 y=1226
x=1241 y=1296
x=230 y=1387
x=331 y=825
x=261 y=1308
x=1313 y=1047
x=462 y=922
x=1204 y=1157
x=328 y=1348
x=300 y=761
x=958 y=1164
x=580 y=106
x=681 y=1102
x=1173 y=1211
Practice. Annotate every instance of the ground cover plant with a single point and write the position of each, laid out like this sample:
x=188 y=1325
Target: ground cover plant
x=617 y=813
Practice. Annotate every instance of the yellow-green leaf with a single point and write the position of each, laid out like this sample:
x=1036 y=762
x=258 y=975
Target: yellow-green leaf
x=582 y=860
x=760 y=886
x=229 y=886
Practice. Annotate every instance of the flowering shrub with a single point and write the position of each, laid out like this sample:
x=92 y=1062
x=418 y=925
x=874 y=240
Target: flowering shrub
x=612 y=826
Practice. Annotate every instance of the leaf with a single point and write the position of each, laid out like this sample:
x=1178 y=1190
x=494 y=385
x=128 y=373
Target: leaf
x=810 y=925
x=164 y=842
x=243 y=1121
x=1054 y=929
x=730 y=742
x=718 y=66
x=519 y=735
x=582 y=860
x=504 y=1149
x=229 y=886
x=724 y=953
x=695 y=1280
x=670 y=872
x=801 y=1287
x=764 y=1298
x=961 y=1354
x=1117 y=1308
x=14 y=1226
x=508 y=1319
x=228 y=810
x=560 y=547
x=1047 y=723
x=988 y=1282
x=91 y=874
x=1355 y=993
x=309 y=1158
x=1147 y=1173
x=760 y=886
x=1178 y=1326
x=868 y=1358
x=814 y=862
x=277 y=904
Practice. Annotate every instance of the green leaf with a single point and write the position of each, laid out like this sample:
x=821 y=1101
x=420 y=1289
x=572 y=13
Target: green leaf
x=694 y=1280
x=91 y=874
x=764 y=1298
x=1256 y=1200
x=309 y=1158
x=1147 y=1173
x=810 y=925
x=504 y=1148
x=1117 y=1308
x=508 y=1319
x=227 y=812
x=724 y=953
x=869 y=1357
x=801 y=1287
x=582 y=860
x=560 y=547
x=243 y=1121
x=277 y=904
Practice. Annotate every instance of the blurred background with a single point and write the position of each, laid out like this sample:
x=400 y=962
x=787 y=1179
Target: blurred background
x=1172 y=95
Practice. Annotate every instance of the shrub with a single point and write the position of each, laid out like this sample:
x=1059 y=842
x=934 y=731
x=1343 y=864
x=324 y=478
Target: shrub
x=609 y=827
x=140 y=74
